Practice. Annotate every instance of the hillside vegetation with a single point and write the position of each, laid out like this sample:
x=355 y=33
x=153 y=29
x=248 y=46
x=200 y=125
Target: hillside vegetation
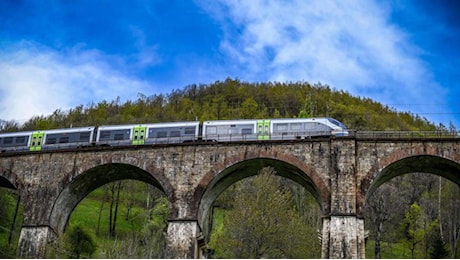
x=233 y=99
x=128 y=219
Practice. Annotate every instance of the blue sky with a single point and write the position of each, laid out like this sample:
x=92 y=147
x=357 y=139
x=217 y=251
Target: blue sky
x=60 y=54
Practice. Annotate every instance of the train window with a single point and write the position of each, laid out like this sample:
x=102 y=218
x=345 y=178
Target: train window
x=281 y=127
x=222 y=130
x=246 y=131
x=309 y=126
x=232 y=131
x=296 y=126
x=189 y=131
x=162 y=134
x=174 y=134
x=8 y=140
x=84 y=137
x=105 y=135
x=51 y=140
x=142 y=134
x=335 y=122
x=64 y=140
x=119 y=137
x=20 y=139
x=211 y=130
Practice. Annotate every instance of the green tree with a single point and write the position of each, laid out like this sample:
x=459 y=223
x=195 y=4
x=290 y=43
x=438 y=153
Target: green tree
x=80 y=243
x=264 y=223
x=154 y=231
x=438 y=248
x=303 y=114
x=415 y=228
x=249 y=109
x=10 y=222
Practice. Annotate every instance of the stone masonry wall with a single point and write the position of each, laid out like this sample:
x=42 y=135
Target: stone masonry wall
x=341 y=170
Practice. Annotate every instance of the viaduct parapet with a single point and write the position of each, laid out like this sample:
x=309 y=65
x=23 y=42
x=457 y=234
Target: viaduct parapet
x=339 y=172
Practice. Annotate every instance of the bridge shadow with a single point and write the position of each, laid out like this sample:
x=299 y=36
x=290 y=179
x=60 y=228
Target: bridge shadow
x=88 y=181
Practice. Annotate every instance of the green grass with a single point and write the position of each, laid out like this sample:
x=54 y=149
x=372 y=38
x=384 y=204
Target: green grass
x=391 y=251
x=86 y=215
x=9 y=200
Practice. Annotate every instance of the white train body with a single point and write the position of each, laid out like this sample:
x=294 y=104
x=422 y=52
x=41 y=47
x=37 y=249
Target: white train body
x=173 y=132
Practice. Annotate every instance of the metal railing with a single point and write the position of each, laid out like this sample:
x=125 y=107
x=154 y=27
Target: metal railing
x=403 y=134
x=375 y=135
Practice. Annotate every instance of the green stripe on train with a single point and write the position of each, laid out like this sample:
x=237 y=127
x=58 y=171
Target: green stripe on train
x=37 y=141
x=139 y=133
x=263 y=130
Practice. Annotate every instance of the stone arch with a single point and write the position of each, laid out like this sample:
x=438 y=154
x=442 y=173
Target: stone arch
x=6 y=183
x=8 y=179
x=88 y=181
x=215 y=184
x=424 y=163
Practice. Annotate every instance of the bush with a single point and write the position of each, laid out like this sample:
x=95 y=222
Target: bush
x=80 y=243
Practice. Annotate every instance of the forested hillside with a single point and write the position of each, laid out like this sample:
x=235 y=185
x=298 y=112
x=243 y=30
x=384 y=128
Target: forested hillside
x=411 y=216
x=233 y=99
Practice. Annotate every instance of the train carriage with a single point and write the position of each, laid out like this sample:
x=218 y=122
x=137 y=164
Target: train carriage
x=114 y=135
x=62 y=138
x=46 y=139
x=301 y=128
x=230 y=130
x=18 y=141
x=174 y=132
x=271 y=129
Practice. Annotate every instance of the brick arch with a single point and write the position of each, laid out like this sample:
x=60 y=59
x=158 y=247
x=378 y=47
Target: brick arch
x=404 y=162
x=157 y=173
x=8 y=179
x=80 y=186
x=6 y=182
x=221 y=177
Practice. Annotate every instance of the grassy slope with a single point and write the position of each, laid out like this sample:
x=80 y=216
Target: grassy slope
x=86 y=215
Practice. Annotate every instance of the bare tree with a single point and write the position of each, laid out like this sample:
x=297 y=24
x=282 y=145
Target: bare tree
x=382 y=206
x=114 y=202
x=451 y=216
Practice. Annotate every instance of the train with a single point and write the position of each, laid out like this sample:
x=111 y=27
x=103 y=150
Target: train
x=172 y=132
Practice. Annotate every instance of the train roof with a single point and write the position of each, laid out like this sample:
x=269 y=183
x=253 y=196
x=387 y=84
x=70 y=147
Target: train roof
x=12 y=134
x=68 y=130
x=226 y=122
x=49 y=131
x=167 y=124
x=311 y=119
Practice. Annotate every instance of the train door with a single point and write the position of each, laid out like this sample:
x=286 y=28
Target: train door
x=263 y=130
x=37 y=141
x=139 y=135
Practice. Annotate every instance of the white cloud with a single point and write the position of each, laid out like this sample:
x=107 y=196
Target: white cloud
x=348 y=45
x=37 y=81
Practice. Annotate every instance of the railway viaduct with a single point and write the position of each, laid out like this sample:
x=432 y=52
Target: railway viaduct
x=339 y=172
